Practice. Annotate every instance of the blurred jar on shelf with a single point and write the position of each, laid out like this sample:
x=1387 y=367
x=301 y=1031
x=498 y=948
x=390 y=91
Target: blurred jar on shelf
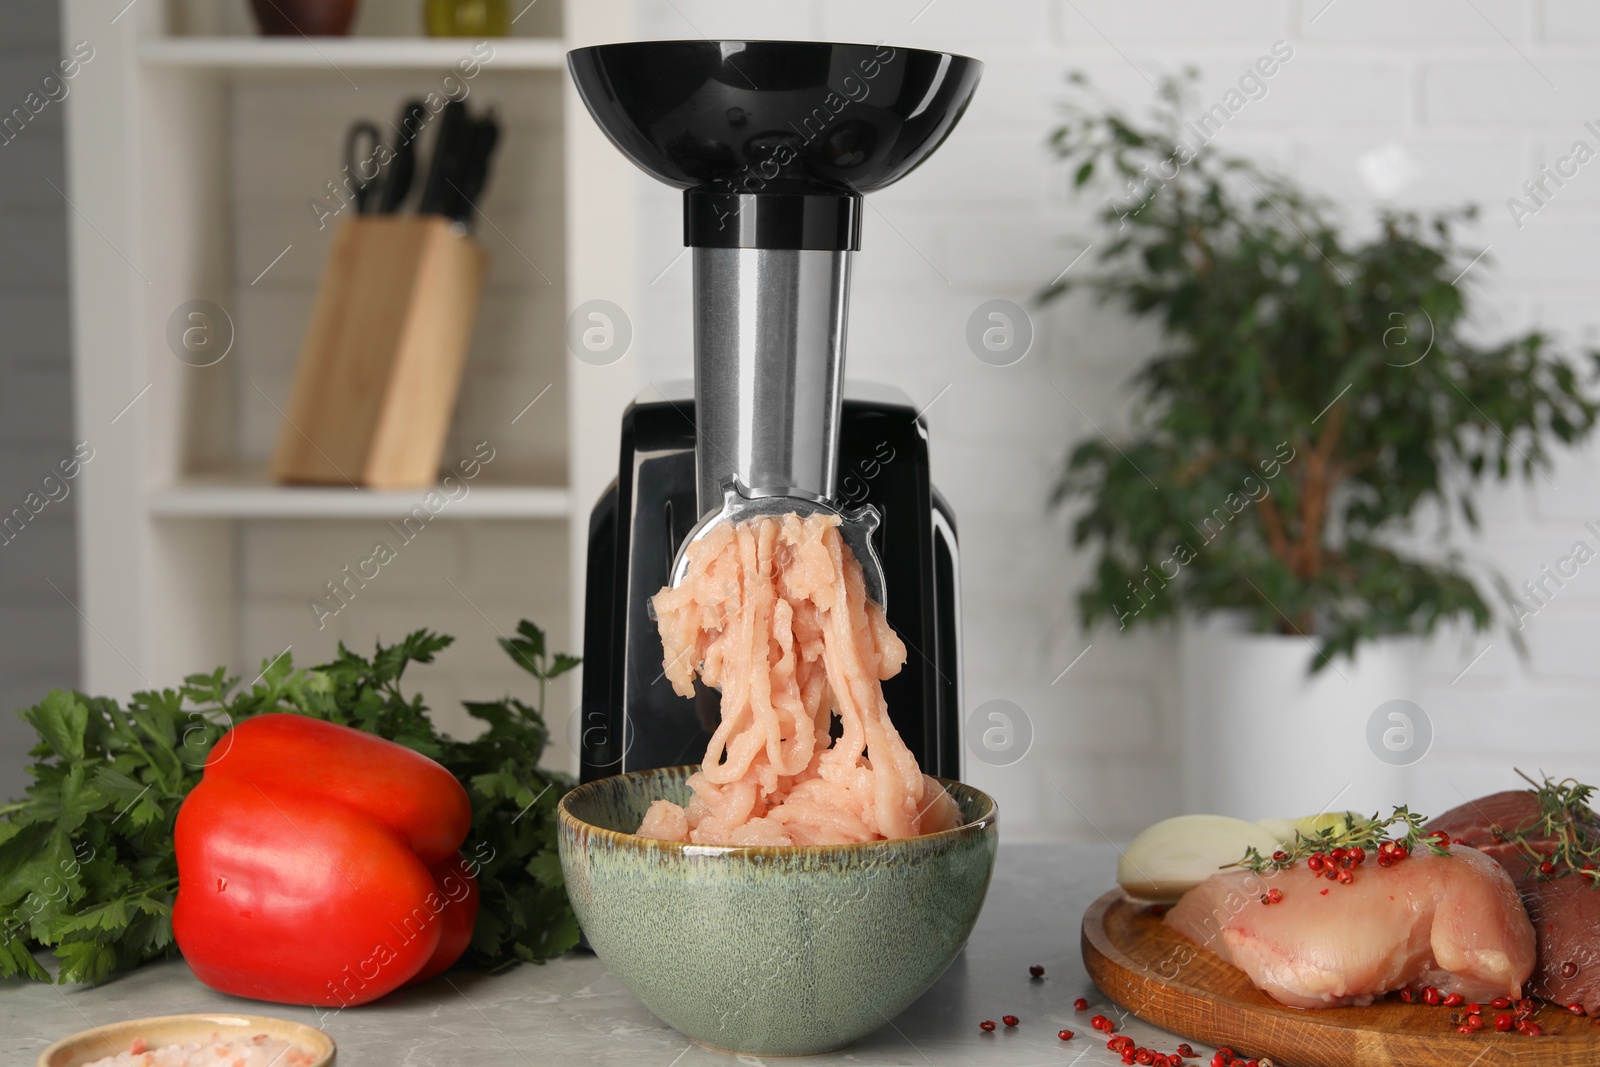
x=467 y=18
x=304 y=18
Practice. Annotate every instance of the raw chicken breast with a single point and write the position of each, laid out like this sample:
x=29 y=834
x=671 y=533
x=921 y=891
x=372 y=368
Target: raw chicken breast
x=1452 y=922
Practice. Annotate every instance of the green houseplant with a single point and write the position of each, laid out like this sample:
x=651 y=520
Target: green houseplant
x=1315 y=398
x=1315 y=421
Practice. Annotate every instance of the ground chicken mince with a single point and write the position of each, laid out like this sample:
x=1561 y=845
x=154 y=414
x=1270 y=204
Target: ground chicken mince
x=774 y=612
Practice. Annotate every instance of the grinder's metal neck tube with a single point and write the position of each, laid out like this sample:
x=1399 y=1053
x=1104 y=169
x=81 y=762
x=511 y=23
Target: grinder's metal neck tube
x=769 y=328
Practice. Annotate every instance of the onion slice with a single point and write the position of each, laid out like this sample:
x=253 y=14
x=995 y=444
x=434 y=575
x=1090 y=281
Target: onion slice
x=1177 y=854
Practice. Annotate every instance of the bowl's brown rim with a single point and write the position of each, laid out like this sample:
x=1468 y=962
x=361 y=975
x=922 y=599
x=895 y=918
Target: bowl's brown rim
x=617 y=837
x=325 y=1055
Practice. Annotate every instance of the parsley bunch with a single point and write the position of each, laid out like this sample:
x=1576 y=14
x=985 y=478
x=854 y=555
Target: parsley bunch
x=87 y=865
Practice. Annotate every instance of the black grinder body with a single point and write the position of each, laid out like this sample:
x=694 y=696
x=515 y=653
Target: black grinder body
x=773 y=143
x=631 y=719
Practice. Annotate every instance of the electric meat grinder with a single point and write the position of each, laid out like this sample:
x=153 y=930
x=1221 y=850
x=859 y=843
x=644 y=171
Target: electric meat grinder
x=773 y=143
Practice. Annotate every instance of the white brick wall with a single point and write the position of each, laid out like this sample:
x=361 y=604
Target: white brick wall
x=473 y=580
x=1465 y=88
x=275 y=174
x=1461 y=86
x=38 y=627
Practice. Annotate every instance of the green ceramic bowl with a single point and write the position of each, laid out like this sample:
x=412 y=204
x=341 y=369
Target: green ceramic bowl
x=773 y=951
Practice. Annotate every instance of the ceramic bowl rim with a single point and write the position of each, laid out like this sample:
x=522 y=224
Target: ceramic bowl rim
x=986 y=819
x=325 y=1056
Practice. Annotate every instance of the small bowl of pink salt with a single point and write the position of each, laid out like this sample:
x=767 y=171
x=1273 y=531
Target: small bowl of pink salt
x=771 y=950
x=221 y=1040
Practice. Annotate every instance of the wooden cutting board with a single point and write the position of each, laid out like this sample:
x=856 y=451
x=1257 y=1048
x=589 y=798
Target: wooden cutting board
x=1165 y=979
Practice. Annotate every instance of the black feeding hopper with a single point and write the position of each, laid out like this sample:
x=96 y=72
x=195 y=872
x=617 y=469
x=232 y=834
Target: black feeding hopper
x=797 y=123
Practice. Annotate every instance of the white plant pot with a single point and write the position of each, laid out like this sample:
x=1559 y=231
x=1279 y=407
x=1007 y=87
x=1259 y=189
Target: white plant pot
x=1263 y=739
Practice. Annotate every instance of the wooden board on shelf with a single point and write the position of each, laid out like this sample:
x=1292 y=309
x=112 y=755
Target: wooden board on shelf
x=1168 y=981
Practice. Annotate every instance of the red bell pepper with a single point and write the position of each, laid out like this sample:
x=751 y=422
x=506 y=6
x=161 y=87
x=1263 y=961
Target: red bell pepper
x=318 y=865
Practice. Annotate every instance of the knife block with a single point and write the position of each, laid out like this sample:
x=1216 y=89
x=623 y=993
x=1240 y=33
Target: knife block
x=382 y=359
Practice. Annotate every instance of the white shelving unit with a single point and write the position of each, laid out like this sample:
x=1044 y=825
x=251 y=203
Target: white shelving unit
x=165 y=208
x=246 y=53
x=251 y=497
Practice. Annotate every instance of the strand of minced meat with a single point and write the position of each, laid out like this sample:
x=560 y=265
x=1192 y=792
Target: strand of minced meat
x=774 y=613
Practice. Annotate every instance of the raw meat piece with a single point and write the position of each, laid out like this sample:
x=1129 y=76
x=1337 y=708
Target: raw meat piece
x=1452 y=922
x=1565 y=911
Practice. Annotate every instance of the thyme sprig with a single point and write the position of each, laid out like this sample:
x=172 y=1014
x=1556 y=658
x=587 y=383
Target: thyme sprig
x=1403 y=828
x=1564 y=838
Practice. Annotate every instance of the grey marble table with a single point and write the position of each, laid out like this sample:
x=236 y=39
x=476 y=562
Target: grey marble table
x=572 y=1011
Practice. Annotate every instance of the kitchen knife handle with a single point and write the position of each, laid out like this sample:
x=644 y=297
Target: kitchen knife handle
x=403 y=168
